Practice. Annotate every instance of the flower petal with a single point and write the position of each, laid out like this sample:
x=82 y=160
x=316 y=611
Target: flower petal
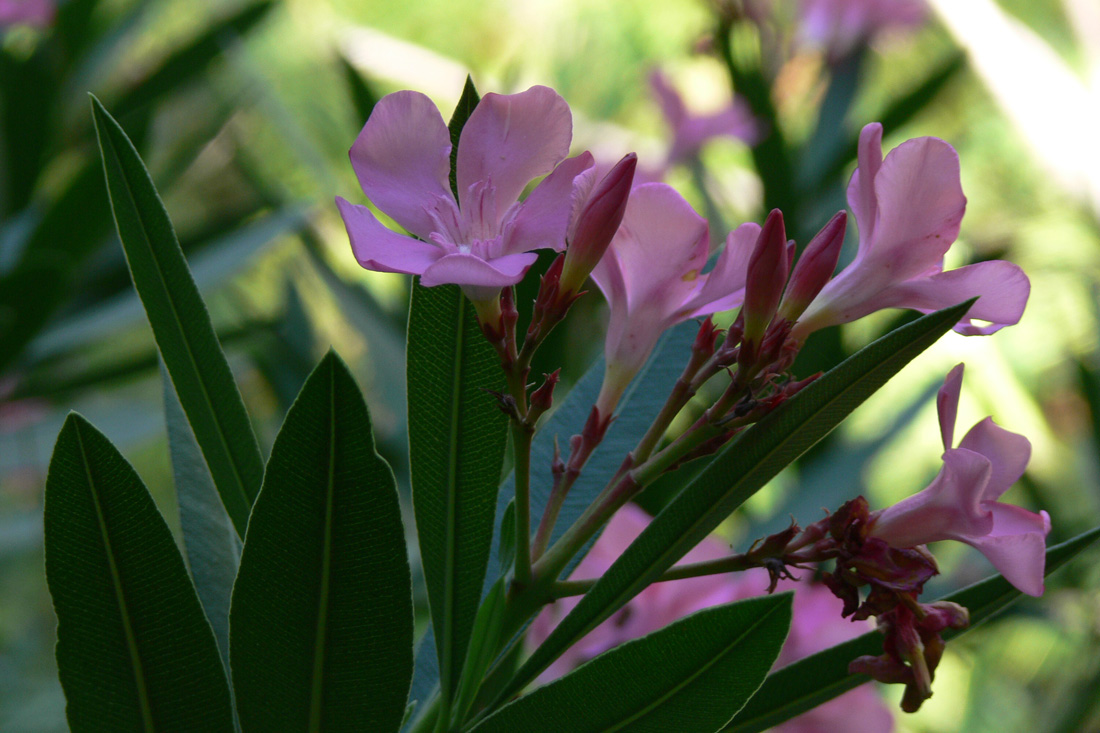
x=861 y=189
x=471 y=271
x=1008 y=452
x=543 y=219
x=950 y=508
x=724 y=286
x=947 y=406
x=381 y=249
x=1017 y=546
x=402 y=159
x=511 y=139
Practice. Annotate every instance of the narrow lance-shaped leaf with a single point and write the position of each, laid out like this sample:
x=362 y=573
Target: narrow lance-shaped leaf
x=321 y=624
x=809 y=682
x=134 y=651
x=181 y=324
x=209 y=540
x=736 y=473
x=456 y=446
x=690 y=677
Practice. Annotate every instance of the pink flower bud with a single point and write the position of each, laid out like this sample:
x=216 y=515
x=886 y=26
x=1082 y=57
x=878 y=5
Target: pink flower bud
x=767 y=274
x=815 y=268
x=597 y=224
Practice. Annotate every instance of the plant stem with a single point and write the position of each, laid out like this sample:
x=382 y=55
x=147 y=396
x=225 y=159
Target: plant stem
x=522 y=433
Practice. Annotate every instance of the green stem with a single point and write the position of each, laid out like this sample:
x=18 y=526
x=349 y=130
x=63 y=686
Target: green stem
x=731 y=564
x=521 y=444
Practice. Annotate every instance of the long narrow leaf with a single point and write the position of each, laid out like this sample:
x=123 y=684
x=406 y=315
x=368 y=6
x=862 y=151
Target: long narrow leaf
x=809 y=682
x=690 y=677
x=181 y=324
x=134 y=651
x=321 y=624
x=736 y=473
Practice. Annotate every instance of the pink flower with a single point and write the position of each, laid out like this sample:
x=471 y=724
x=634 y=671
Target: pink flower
x=652 y=278
x=908 y=209
x=483 y=241
x=37 y=13
x=838 y=26
x=690 y=132
x=961 y=503
x=816 y=623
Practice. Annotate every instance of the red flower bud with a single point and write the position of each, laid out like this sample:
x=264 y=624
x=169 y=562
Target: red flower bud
x=767 y=274
x=815 y=268
x=597 y=224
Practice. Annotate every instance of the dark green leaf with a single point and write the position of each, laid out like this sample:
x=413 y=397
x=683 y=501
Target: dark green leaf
x=691 y=676
x=466 y=104
x=737 y=472
x=187 y=63
x=209 y=540
x=456 y=447
x=507 y=552
x=134 y=651
x=321 y=624
x=809 y=682
x=181 y=324
x=484 y=642
x=363 y=98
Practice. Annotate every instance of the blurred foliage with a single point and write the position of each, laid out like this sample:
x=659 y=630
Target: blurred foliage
x=245 y=112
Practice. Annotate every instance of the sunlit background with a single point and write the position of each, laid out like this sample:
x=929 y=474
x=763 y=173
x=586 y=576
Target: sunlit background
x=244 y=114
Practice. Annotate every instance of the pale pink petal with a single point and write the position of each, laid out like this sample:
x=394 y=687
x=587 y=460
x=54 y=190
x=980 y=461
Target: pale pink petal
x=724 y=287
x=672 y=105
x=1008 y=452
x=472 y=271
x=947 y=406
x=511 y=139
x=402 y=159
x=920 y=204
x=542 y=220
x=1016 y=546
x=950 y=508
x=861 y=189
x=379 y=248
x=1002 y=289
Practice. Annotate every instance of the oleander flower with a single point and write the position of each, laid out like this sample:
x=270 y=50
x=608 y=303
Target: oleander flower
x=692 y=130
x=839 y=26
x=35 y=13
x=486 y=239
x=908 y=208
x=962 y=502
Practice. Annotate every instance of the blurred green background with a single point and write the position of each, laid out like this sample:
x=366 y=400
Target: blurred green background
x=244 y=114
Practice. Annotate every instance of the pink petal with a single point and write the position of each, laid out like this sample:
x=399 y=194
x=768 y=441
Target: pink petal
x=861 y=189
x=1008 y=452
x=402 y=159
x=510 y=140
x=950 y=508
x=1002 y=288
x=1017 y=546
x=471 y=271
x=920 y=204
x=542 y=220
x=381 y=249
x=947 y=406
x=724 y=286
x=672 y=105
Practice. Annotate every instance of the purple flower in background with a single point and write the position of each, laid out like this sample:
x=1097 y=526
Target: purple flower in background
x=908 y=209
x=961 y=503
x=37 y=13
x=485 y=240
x=652 y=278
x=839 y=26
x=691 y=131
x=816 y=623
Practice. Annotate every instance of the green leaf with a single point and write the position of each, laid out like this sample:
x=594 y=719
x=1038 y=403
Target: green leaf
x=187 y=63
x=483 y=647
x=209 y=540
x=692 y=675
x=456 y=448
x=465 y=107
x=134 y=651
x=738 y=471
x=321 y=625
x=809 y=682
x=363 y=98
x=181 y=324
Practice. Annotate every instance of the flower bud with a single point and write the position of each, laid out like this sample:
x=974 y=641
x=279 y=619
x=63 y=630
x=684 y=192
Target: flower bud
x=767 y=274
x=815 y=268
x=597 y=224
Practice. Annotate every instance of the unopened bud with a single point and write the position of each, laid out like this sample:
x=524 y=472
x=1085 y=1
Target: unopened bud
x=543 y=397
x=597 y=224
x=815 y=268
x=767 y=274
